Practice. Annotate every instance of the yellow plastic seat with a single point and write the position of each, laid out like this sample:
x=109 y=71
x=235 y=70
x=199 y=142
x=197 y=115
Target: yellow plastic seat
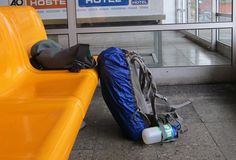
x=41 y=111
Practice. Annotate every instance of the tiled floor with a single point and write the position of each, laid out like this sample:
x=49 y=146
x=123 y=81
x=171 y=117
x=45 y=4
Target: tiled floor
x=211 y=121
x=177 y=50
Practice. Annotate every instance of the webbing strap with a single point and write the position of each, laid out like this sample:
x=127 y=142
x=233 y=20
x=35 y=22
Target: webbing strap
x=181 y=105
x=145 y=79
x=177 y=121
x=163 y=132
x=153 y=102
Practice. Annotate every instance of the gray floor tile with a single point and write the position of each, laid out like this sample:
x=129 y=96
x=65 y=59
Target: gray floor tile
x=109 y=154
x=216 y=110
x=111 y=137
x=99 y=115
x=103 y=139
x=141 y=153
x=224 y=133
x=86 y=138
x=189 y=115
x=229 y=151
x=196 y=135
x=81 y=155
x=186 y=152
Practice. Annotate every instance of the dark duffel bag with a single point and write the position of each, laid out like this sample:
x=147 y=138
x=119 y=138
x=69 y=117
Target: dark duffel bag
x=49 y=55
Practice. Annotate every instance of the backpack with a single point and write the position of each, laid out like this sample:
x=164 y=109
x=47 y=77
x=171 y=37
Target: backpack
x=131 y=95
x=49 y=55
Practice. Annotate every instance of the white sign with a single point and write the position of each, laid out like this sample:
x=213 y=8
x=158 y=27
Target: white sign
x=118 y=8
x=56 y=9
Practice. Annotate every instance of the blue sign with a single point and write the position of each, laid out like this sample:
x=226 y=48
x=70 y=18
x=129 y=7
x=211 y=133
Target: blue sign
x=102 y=3
x=139 y=2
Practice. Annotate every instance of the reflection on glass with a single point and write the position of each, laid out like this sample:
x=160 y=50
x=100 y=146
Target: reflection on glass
x=205 y=10
x=205 y=34
x=191 y=11
x=225 y=36
x=225 y=6
x=61 y=39
x=181 y=6
x=224 y=19
x=175 y=48
x=192 y=32
x=225 y=11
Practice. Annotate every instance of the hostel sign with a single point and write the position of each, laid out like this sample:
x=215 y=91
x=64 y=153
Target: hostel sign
x=39 y=4
x=16 y=3
x=47 y=4
x=48 y=9
x=56 y=9
x=139 y=2
x=118 y=8
x=96 y=3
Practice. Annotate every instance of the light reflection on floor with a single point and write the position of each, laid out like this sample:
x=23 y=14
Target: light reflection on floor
x=176 y=49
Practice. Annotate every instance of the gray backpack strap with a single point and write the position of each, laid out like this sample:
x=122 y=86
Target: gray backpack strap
x=139 y=96
x=181 y=105
x=163 y=132
x=147 y=87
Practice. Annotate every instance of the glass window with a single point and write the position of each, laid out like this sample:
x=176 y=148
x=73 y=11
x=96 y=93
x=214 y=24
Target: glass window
x=205 y=34
x=225 y=36
x=204 y=10
x=225 y=6
x=159 y=49
x=191 y=11
x=224 y=19
x=61 y=39
x=225 y=11
x=192 y=32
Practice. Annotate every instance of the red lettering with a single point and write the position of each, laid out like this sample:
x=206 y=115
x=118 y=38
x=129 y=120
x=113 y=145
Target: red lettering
x=47 y=4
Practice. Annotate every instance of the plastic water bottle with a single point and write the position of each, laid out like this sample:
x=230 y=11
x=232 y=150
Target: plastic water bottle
x=153 y=134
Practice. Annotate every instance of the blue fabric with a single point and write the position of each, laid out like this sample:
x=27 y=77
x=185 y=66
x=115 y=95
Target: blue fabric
x=118 y=93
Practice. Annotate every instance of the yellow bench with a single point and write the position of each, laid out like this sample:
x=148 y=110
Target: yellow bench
x=40 y=111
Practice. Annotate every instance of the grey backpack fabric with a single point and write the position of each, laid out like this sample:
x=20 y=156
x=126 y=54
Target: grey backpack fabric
x=49 y=55
x=154 y=106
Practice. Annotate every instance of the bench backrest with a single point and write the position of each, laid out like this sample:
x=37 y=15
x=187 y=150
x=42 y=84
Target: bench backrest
x=20 y=28
x=10 y=59
x=27 y=23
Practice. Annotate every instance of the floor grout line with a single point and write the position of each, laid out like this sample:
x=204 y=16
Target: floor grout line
x=210 y=133
x=215 y=141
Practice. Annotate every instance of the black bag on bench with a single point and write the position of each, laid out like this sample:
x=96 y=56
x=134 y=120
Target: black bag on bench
x=49 y=55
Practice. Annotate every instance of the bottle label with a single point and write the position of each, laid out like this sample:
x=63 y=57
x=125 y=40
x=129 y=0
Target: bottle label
x=169 y=132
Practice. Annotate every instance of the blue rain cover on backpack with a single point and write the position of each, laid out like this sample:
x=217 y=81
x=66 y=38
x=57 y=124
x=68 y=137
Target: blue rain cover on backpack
x=118 y=92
